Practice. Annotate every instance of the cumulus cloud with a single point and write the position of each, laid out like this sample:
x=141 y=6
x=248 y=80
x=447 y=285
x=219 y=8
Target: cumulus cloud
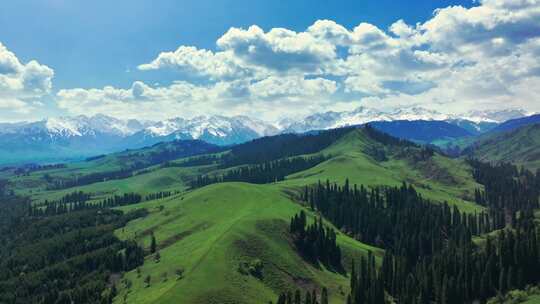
x=186 y=99
x=21 y=84
x=459 y=59
x=220 y=65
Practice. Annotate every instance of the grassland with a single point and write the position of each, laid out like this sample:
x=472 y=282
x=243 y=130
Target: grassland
x=439 y=178
x=209 y=232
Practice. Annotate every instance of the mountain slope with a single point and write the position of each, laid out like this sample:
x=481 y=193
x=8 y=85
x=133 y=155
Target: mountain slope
x=74 y=138
x=520 y=146
x=357 y=156
x=218 y=130
x=475 y=122
x=210 y=232
x=421 y=130
x=517 y=123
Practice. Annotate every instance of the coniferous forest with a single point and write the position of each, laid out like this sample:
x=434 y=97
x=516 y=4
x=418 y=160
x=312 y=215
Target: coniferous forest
x=430 y=252
x=270 y=152
x=68 y=248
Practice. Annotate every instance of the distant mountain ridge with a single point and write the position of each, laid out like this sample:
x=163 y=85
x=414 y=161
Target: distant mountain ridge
x=421 y=130
x=516 y=123
x=475 y=122
x=69 y=138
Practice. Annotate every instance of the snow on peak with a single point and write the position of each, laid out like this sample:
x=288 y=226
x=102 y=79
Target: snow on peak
x=89 y=126
x=497 y=116
x=216 y=126
x=64 y=126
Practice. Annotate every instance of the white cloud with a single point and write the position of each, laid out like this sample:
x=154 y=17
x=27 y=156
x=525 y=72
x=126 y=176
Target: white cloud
x=201 y=62
x=279 y=49
x=292 y=86
x=21 y=85
x=460 y=59
x=186 y=99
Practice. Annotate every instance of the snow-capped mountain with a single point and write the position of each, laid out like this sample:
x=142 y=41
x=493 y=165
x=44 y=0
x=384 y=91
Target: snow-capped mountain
x=474 y=121
x=216 y=129
x=67 y=138
x=78 y=126
x=496 y=116
x=218 y=126
x=58 y=139
x=361 y=115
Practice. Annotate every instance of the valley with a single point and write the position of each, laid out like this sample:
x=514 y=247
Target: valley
x=229 y=242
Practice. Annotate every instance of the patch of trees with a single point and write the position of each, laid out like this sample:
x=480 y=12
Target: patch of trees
x=430 y=256
x=315 y=242
x=280 y=146
x=13 y=210
x=506 y=187
x=63 y=183
x=159 y=195
x=91 y=158
x=163 y=152
x=309 y=298
x=137 y=160
x=204 y=160
x=26 y=170
x=79 y=200
x=367 y=283
x=395 y=218
x=464 y=273
x=267 y=172
x=66 y=258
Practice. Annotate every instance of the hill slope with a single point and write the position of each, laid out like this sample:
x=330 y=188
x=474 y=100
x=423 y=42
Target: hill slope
x=520 y=146
x=210 y=232
x=517 y=123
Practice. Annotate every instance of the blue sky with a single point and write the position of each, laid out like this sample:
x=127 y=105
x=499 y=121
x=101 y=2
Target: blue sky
x=82 y=47
x=94 y=43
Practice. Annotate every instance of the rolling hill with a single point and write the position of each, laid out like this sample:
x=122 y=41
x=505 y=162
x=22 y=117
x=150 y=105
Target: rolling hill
x=207 y=237
x=520 y=146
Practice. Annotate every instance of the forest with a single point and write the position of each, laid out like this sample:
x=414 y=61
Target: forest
x=66 y=257
x=430 y=251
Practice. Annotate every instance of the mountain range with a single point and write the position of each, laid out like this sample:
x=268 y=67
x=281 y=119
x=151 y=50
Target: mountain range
x=69 y=138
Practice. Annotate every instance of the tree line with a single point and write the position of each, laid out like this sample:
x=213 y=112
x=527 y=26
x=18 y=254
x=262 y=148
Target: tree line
x=396 y=218
x=315 y=242
x=430 y=255
x=267 y=172
x=79 y=200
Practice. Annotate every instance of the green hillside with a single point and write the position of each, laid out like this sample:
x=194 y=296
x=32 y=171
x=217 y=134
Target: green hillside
x=209 y=232
x=438 y=178
x=520 y=146
x=207 y=237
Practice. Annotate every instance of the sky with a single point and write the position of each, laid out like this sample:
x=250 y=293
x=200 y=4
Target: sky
x=266 y=59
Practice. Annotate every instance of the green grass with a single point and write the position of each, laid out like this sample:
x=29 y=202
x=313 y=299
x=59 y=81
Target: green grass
x=535 y=299
x=520 y=146
x=210 y=231
x=439 y=179
x=160 y=179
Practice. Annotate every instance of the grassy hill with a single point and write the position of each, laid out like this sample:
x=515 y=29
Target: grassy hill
x=214 y=233
x=438 y=178
x=520 y=146
x=210 y=232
